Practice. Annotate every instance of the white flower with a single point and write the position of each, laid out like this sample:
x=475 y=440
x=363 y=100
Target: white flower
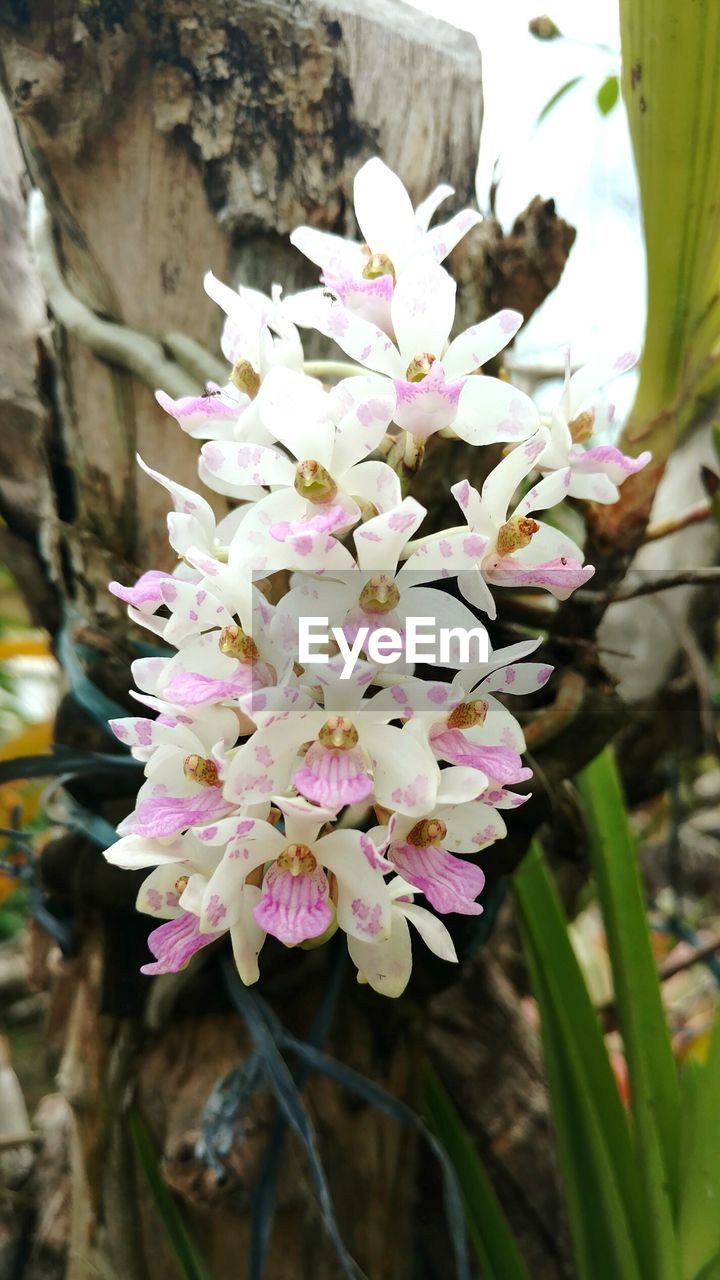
x=375 y=595
x=363 y=276
x=386 y=965
x=344 y=753
x=183 y=784
x=296 y=901
x=598 y=470
x=328 y=437
x=507 y=549
x=432 y=379
x=174 y=892
x=257 y=336
x=260 y=764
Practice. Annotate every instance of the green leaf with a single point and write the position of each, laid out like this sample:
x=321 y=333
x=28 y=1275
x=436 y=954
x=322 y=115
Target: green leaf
x=597 y=1215
x=654 y=1086
x=671 y=91
x=699 y=1220
x=558 y=95
x=596 y=1151
x=488 y=1228
x=608 y=94
x=711 y=1271
x=190 y=1264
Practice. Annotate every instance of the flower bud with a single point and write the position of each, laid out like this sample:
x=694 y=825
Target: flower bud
x=314 y=482
x=339 y=734
x=235 y=643
x=297 y=859
x=516 y=533
x=379 y=595
x=419 y=367
x=543 y=28
x=467 y=715
x=426 y=832
x=198 y=769
x=245 y=379
x=378 y=264
x=581 y=427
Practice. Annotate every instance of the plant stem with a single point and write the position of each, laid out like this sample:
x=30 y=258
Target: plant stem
x=332 y=369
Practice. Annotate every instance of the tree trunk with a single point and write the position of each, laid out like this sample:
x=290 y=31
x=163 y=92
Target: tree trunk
x=167 y=140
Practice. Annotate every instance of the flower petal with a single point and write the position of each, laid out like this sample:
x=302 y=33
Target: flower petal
x=475 y=346
x=441 y=241
x=385 y=966
x=384 y=211
x=247 y=938
x=423 y=309
x=240 y=470
x=490 y=410
x=449 y=883
x=174 y=944
x=431 y=930
x=293 y=908
x=405 y=776
x=380 y=540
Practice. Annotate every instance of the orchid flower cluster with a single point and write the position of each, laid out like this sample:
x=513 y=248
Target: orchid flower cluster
x=283 y=798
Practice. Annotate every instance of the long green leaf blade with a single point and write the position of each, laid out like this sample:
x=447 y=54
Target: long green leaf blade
x=488 y=1228
x=597 y=1215
x=699 y=1219
x=590 y=1122
x=654 y=1087
x=190 y=1264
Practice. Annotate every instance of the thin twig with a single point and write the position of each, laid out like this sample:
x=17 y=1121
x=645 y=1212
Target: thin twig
x=115 y=343
x=694 y=515
x=651 y=585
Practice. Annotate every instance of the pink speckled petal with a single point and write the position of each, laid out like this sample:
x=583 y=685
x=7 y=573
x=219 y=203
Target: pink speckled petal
x=174 y=943
x=293 y=908
x=146 y=594
x=333 y=778
x=164 y=815
x=490 y=410
x=449 y=883
x=475 y=346
x=442 y=240
x=499 y=763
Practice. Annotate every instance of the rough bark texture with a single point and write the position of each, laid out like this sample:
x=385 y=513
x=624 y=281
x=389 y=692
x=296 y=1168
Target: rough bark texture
x=167 y=140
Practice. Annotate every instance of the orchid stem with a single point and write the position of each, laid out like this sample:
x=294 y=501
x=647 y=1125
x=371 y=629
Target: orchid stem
x=332 y=369
x=413 y=454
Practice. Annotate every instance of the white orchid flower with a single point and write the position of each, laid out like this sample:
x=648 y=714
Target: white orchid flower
x=432 y=381
x=596 y=470
x=363 y=276
x=257 y=336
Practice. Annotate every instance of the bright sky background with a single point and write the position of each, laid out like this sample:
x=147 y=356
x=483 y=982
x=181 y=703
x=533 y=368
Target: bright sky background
x=577 y=156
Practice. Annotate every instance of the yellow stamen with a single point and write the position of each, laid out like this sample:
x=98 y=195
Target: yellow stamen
x=339 y=734
x=466 y=715
x=379 y=595
x=516 y=533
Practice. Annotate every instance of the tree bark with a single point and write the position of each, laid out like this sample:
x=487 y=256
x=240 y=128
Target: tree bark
x=168 y=140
